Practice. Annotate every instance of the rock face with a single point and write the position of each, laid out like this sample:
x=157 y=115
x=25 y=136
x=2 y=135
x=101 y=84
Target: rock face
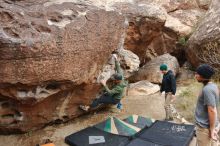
x=142 y=88
x=204 y=3
x=189 y=17
x=129 y=62
x=185 y=73
x=151 y=70
x=172 y=5
x=154 y=30
x=145 y=26
x=156 y=27
x=50 y=55
x=204 y=44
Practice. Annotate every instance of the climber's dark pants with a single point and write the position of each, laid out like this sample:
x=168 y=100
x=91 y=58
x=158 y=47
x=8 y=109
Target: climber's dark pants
x=104 y=99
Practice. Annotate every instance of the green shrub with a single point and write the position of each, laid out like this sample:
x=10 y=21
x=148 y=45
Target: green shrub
x=182 y=41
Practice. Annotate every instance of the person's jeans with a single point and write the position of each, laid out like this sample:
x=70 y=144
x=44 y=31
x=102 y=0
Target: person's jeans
x=171 y=112
x=104 y=99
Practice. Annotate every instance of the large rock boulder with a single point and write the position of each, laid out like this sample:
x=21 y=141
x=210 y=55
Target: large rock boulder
x=204 y=4
x=129 y=62
x=185 y=73
x=189 y=17
x=51 y=54
x=142 y=88
x=155 y=27
x=184 y=21
x=146 y=23
x=151 y=70
x=173 y=5
x=169 y=5
x=152 y=31
x=204 y=44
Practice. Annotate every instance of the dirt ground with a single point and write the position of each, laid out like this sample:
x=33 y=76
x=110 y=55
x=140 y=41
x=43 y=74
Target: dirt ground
x=140 y=105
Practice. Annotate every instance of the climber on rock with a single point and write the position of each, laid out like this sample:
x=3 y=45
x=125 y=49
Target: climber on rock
x=113 y=95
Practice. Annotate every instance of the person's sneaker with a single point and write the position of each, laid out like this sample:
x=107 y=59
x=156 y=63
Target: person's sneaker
x=84 y=107
x=168 y=119
x=18 y=116
x=119 y=106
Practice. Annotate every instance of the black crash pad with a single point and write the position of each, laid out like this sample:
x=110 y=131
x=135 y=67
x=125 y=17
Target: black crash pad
x=167 y=133
x=140 y=142
x=81 y=138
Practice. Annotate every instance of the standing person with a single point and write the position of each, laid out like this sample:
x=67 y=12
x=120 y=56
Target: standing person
x=169 y=87
x=111 y=96
x=206 y=109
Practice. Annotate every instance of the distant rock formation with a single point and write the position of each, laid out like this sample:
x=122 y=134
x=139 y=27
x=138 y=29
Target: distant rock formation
x=204 y=44
x=151 y=70
x=154 y=30
x=143 y=88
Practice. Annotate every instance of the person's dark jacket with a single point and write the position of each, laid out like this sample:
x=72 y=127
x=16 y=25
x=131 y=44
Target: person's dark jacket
x=168 y=83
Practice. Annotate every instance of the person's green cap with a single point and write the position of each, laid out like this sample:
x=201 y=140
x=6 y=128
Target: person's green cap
x=163 y=67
